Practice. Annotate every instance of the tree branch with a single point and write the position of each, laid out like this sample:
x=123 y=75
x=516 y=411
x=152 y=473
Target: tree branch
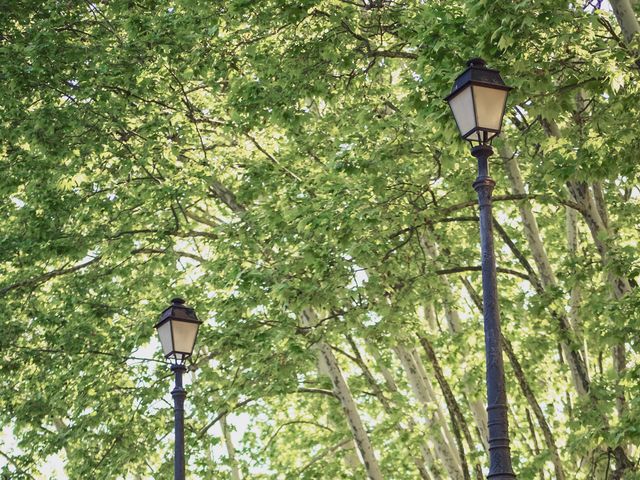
x=448 y=271
x=48 y=276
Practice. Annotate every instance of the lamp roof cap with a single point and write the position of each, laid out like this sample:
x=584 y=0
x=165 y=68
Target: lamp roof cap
x=477 y=73
x=178 y=311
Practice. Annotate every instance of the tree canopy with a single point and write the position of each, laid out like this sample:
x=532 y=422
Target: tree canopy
x=291 y=169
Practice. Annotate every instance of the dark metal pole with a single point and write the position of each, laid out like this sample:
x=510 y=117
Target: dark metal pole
x=499 y=453
x=179 y=394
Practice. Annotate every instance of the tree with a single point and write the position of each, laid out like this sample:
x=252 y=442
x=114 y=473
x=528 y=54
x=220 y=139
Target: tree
x=291 y=169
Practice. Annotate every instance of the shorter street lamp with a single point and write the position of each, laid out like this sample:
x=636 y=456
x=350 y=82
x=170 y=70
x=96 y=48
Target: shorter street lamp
x=478 y=100
x=178 y=329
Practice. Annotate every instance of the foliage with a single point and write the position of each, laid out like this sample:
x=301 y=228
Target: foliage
x=262 y=158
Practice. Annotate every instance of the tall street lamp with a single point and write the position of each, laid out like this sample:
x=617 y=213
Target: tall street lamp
x=178 y=329
x=478 y=100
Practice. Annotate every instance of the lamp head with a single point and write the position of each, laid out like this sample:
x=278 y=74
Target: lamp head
x=178 y=328
x=478 y=100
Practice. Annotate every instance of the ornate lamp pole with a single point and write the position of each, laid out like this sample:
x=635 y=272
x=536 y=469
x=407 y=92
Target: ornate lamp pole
x=178 y=329
x=478 y=100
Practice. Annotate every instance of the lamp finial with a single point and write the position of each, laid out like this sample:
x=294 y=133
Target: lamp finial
x=477 y=62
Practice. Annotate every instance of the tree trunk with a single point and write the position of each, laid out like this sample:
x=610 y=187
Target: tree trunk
x=547 y=277
x=443 y=442
x=619 y=285
x=595 y=217
x=231 y=450
x=575 y=299
x=476 y=405
x=626 y=17
x=452 y=404
x=425 y=450
x=386 y=404
x=537 y=410
x=526 y=390
x=386 y=374
x=342 y=392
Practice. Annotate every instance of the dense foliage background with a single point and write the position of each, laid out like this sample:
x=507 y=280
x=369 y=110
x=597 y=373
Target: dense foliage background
x=291 y=169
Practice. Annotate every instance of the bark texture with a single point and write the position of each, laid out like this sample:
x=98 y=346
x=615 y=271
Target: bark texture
x=343 y=393
x=476 y=405
x=543 y=266
x=442 y=438
x=231 y=450
x=626 y=17
x=526 y=391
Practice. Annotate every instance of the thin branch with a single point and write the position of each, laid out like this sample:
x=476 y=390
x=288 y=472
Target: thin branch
x=321 y=391
x=339 y=350
x=292 y=422
x=47 y=276
x=321 y=455
x=272 y=159
x=533 y=276
x=61 y=351
x=448 y=271
x=224 y=412
x=13 y=462
x=201 y=219
x=167 y=250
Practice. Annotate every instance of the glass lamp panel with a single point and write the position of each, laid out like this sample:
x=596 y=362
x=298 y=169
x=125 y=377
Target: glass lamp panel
x=462 y=108
x=184 y=336
x=475 y=136
x=489 y=106
x=164 y=332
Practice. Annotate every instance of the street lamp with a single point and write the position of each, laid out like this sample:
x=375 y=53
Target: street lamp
x=178 y=329
x=478 y=100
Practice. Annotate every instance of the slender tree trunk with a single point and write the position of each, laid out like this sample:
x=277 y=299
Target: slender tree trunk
x=384 y=371
x=547 y=278
x=386 y=404
x=620 y=286
x=231 y=450
x=342 y=392
x=526 y=390
x=425 y=450
x=626 y=17
x=575 y=319
x=601 y=204
x=532 y=432
x=61 y=427
x=452 y=404
x=535 y=406
x=443 y=441
x=476 y=405
x=529 y=223
x=595 y=217
x=440 y=414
